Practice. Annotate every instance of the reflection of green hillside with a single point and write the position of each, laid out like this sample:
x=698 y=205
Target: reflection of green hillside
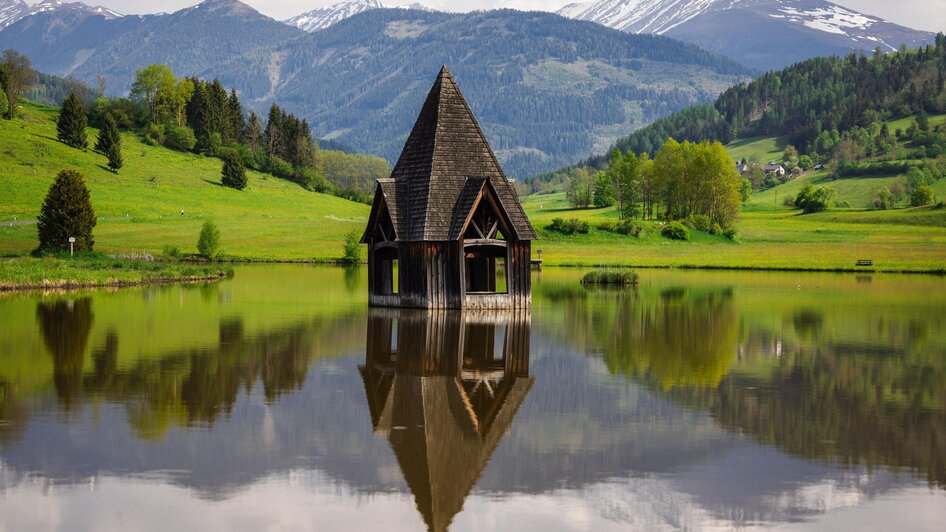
x=675 y=336
x=841 y=368
x=853 y=409
x=176 y=356
x=155 y=320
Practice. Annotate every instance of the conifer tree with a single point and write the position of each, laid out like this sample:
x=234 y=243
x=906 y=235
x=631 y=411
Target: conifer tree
x=108 y=134
x=70 y=127
x=234 y=174
x=115 y=159
x=110 y=143
x=235 y=115
x=67 y=212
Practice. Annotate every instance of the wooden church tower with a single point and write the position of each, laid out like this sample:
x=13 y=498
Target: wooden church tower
x=447 y=230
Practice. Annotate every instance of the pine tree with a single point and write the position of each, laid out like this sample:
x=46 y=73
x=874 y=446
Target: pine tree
x=67 y=212
x=273 y=135
x=108 y=134
x=70 y=126
x=235 y=116
x=115 y=159
x=109 y=142
x=234 y=174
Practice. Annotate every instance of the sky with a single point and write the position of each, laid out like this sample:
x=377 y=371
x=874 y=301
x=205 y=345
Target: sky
x=920 y=14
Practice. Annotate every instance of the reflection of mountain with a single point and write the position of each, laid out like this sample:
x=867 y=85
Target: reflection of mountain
x=850 y=382
x=850 y=408
x=444 y=395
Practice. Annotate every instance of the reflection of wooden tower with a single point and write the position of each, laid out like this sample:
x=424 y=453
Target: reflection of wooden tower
x=444 y=388
x=446 y=230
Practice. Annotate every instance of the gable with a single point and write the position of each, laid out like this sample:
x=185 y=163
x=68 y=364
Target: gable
x=444 y=149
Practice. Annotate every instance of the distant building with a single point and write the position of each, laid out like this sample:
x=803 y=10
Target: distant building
x=742 y=167
x=775 y=169
x=448 y=222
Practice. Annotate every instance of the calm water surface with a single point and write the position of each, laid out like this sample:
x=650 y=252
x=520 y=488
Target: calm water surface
x=277 y=401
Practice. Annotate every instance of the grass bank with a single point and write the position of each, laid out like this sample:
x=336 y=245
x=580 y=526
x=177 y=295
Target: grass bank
x=140 y=207
x=769 y=238
x=94 y=269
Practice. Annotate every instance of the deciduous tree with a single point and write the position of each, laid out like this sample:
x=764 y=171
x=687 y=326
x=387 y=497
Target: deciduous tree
x=18 y=78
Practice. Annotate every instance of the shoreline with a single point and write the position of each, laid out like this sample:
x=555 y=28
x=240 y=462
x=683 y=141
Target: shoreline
x=74 y=285
x=567 y=264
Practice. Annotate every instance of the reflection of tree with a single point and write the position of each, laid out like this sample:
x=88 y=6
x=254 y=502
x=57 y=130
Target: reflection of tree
x=444 y=395
x=198 y=386
x=808 y=324
x=854 y=409
x=65 y=326
x=683 y=337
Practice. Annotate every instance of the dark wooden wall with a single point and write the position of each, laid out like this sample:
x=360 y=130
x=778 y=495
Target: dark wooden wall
x=433 y=275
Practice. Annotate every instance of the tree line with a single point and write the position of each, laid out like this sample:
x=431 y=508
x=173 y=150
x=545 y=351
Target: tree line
x=682 y=181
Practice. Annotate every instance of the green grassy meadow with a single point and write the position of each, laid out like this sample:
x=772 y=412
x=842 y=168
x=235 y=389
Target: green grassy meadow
x=273 y=219
x=139 y=208
x=769 y=238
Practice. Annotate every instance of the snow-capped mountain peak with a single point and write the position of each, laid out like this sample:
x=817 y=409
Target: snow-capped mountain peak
x=323 y=17
x=641 y=16
x=12 y=11
x=47 y=6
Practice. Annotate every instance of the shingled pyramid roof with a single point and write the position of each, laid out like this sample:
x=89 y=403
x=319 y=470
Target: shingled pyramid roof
x=445 y=149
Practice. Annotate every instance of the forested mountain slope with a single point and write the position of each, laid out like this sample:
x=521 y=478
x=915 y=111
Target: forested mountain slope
x=813 y=104
x=547 y=90
x=544 y=88
x=193 y=41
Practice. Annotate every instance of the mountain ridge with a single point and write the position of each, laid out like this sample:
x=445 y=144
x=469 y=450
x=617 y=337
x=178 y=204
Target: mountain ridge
x=763 y=34
x=547 y=90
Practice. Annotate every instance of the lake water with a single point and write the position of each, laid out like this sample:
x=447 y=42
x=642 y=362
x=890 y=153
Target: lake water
x=276 y=401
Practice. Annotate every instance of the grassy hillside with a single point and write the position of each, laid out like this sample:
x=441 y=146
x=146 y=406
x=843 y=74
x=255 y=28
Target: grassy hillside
x=139 y=208
x=769 y=237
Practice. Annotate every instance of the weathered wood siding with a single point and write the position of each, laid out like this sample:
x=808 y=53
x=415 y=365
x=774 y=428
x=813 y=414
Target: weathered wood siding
x=432 y=275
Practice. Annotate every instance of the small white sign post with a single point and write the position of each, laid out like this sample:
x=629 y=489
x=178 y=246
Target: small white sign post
x=72 y=243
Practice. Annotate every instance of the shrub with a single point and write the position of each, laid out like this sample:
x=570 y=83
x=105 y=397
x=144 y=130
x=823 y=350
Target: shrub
x=788 y=201
x=700 y=222
x=280 y=168
x=922 y=196
x=66 y=212
x=715 y=229
x=630 y=227
x=180 y=138
x=730 y=233
x=675 y=231
x=607 y=226
x=352 y=251
x=208 y=245
x=312 y=180
x=812 y=199
x=569 y=227
x=154 y=134
x=611 y=277
x=171 y=252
